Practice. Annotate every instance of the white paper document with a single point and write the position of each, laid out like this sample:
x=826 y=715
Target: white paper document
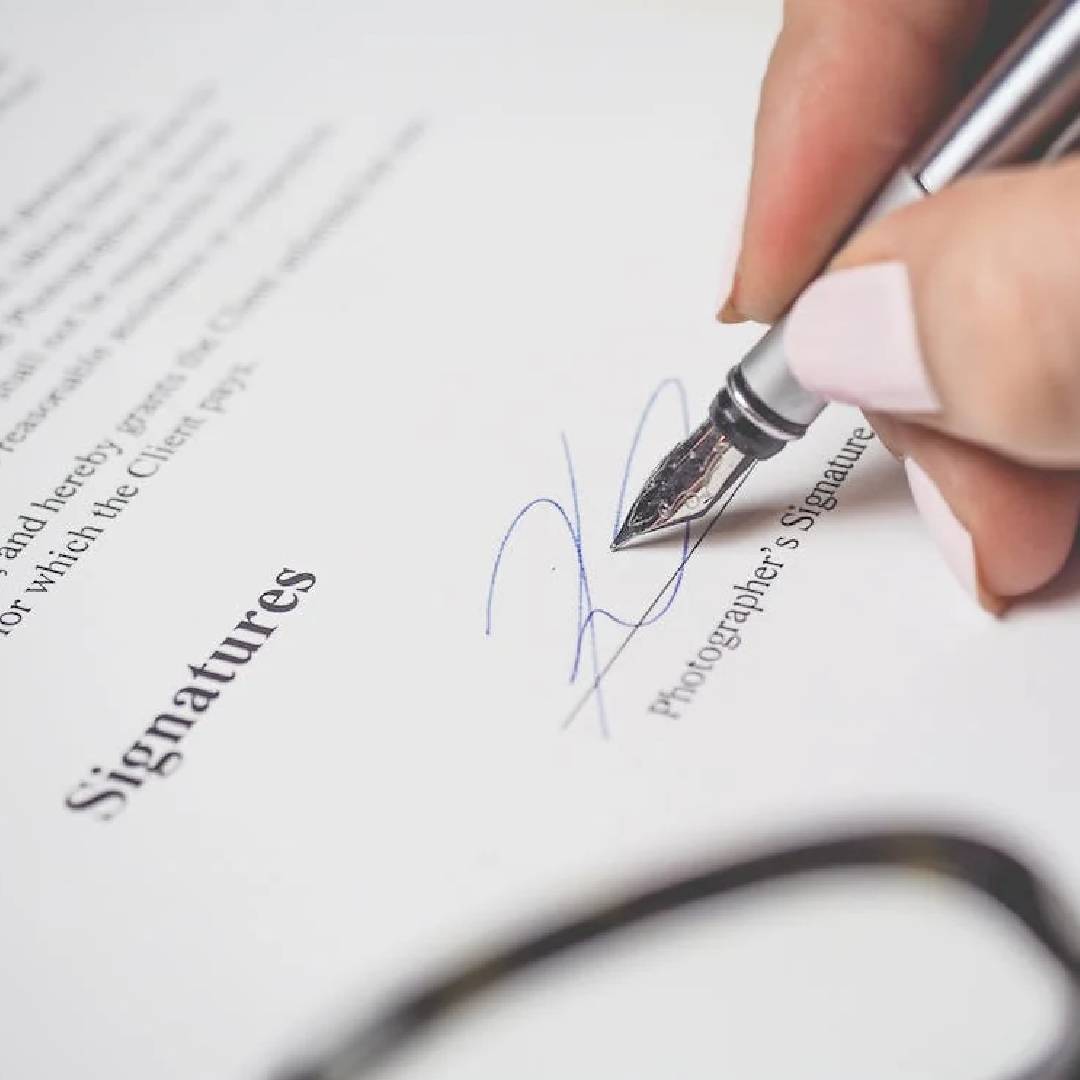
x=335 y=339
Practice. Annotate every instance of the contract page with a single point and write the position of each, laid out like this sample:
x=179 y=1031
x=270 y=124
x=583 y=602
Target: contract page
x=334 y=340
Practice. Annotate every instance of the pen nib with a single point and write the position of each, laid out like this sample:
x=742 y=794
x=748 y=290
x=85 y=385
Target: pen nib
x=686 y=485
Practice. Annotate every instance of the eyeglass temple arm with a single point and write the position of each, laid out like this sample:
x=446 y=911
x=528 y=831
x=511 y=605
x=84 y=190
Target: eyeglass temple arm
x=983 y=866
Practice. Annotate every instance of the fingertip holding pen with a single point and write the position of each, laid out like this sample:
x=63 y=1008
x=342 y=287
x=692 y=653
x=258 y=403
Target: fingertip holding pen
x=730 y=253
x=853 y=337
x=729 y=313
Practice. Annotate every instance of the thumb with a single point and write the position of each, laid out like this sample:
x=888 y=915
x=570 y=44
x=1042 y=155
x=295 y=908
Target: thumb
x=959 y=317
x=960 y=313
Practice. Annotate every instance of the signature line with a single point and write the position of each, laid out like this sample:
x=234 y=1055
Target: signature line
x=601 y=673
x=589 y=614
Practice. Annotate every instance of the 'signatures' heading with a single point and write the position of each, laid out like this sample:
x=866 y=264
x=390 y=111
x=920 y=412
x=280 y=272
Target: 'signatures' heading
x=156 y=752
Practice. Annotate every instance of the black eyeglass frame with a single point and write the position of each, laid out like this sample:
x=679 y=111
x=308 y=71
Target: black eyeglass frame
x=987 y=868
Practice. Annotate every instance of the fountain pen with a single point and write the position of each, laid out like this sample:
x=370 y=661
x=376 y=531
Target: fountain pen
x=1023 y=109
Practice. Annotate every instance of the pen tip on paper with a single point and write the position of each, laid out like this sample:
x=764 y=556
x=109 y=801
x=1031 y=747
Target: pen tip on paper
x=686 y=485
x=623 y=537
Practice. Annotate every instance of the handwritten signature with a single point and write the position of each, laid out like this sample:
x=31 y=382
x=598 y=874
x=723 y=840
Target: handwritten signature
x=585 y=653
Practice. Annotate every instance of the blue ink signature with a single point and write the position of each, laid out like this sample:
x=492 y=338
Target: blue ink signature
x=586 y=644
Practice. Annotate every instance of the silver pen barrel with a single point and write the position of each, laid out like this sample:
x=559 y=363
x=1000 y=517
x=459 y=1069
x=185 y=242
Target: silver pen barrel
x=1025 y=108
x=1018 y=110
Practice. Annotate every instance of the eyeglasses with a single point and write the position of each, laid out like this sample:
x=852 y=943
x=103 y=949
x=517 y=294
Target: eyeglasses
x=996 y=874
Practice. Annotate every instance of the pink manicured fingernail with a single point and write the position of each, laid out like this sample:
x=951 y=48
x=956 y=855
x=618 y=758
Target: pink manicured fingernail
x=952 y=539
x=852 y=337
x=729 y=257
x=730 y=250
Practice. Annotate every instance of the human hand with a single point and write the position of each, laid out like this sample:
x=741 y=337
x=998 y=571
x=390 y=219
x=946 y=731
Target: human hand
x=954 y=322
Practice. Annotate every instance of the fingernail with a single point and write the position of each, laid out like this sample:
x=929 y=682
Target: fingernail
x=852 y=337
x=892 y=433
x=729 y=312
x=730 y=251
x=953 y=540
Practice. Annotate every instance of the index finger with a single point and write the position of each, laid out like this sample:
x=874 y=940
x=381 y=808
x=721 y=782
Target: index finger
x=849 y=88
